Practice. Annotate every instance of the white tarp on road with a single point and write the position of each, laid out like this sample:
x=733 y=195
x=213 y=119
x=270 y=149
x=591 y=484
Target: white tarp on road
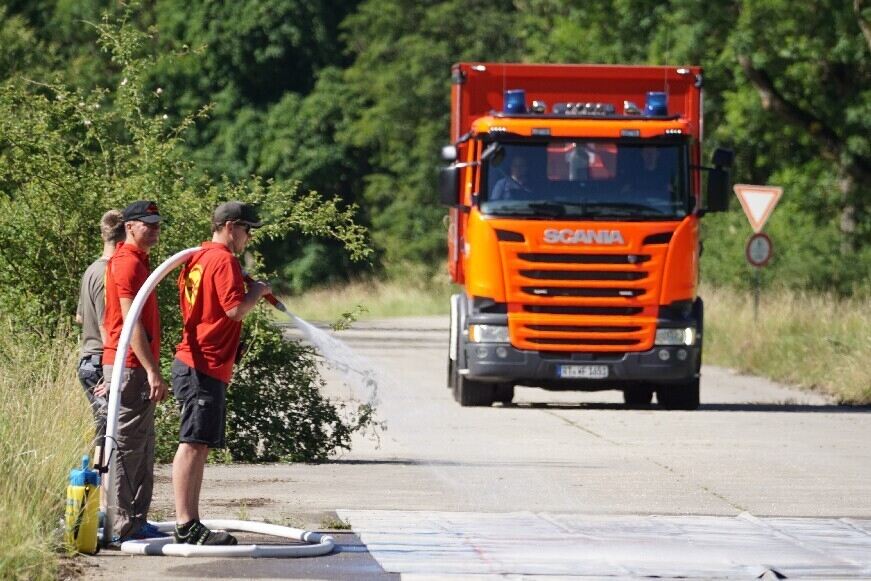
x=423 y=545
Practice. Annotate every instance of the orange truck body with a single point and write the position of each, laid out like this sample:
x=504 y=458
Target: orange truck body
x=582 y=298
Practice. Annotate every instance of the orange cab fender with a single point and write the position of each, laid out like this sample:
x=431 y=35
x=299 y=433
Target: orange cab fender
x=482 y=262
x=681 y=272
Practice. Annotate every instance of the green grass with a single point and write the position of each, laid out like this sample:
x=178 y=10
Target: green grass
x=332 y=522
x=378 y=299
x=814 y=341
x=45 y=427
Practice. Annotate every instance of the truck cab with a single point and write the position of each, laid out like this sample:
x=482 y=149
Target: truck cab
x=574 y=198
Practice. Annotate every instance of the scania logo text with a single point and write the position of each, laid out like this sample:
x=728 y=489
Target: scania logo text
x=569 y=236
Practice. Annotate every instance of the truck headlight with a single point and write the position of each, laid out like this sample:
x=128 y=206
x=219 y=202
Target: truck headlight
x=682 y=336
x=488 y=333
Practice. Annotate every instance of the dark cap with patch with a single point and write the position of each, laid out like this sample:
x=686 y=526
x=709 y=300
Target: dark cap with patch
x=237 y=212
x=143 y=211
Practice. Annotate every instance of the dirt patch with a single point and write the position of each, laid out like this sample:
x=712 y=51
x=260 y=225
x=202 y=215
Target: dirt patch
x=247 y=502
x=71 y=567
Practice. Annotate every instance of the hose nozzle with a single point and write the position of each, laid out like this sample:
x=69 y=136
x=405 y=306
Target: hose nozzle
x=270 y=298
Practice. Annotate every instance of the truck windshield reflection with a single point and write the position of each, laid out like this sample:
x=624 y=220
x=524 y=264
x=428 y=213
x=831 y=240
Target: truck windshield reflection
x=595 y=179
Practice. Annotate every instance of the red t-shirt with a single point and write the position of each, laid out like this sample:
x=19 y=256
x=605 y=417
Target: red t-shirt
x=126 y=272
x=210 y=284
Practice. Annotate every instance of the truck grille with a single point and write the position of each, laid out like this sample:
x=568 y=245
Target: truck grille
x=582 y=275
x=564 y=258
x=564 y=301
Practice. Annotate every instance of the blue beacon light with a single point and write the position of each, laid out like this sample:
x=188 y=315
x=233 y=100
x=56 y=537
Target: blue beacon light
x=656 y=104
x=515 y=101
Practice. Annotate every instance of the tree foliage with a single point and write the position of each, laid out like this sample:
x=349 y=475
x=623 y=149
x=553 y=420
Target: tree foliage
x=67 y=154
x=352 y=99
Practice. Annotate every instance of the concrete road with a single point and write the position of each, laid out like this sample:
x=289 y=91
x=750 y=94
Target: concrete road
x=753 y=451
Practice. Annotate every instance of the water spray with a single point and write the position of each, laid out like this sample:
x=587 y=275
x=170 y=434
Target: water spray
x=358 y=371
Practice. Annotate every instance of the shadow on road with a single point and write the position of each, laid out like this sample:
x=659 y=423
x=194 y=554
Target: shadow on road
x=785 y=407
x=705 y=407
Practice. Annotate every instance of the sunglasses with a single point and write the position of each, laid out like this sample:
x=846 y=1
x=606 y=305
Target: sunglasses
x=244 y=226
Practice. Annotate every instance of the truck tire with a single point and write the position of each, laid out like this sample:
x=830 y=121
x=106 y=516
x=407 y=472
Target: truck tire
x=683 y=396
x=503 y=392
x=471 y=393
x=637 y=396
x=452 y=365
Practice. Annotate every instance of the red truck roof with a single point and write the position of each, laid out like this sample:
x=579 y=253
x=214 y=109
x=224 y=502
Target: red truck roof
x=479 y=88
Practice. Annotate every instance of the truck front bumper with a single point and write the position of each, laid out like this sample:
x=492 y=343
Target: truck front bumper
x=500 y=362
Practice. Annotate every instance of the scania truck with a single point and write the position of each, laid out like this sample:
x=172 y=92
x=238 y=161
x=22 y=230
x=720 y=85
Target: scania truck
x=574 y=195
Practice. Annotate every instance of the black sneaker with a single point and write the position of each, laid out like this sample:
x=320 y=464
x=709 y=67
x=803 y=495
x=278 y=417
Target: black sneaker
x=196 y=533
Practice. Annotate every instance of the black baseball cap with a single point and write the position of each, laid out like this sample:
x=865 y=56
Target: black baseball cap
x=142 y=211
x=237 y=212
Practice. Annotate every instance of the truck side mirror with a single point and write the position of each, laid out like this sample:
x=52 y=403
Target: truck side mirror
x=449 y=185
x=723 y=158
x=718 y=180
x=718 y=190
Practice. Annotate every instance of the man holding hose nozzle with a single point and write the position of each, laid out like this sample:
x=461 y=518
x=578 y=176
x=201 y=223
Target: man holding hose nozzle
x=213 y=301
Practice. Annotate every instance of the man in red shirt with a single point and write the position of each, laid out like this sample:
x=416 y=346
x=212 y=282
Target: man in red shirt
x=213 y=302
x=142 y=385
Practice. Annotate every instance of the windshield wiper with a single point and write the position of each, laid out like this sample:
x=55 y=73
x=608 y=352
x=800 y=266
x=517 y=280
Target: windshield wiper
x=578 y=210
x=548 y=209
x=622 y=209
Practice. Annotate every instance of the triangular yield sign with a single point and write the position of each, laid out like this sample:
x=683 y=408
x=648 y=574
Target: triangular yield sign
x=758 y=202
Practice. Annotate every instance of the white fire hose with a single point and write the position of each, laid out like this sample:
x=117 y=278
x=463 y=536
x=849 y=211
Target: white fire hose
x=320 y=544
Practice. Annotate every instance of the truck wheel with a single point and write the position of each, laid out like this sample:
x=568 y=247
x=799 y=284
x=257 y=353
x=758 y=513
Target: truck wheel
x=683 y=396
x=471 y=393
x=637 y=396
x=452 y=365
x=455 y=381
x=503 y=392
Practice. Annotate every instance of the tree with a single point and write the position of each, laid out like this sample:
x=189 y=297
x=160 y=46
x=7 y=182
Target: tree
x=399 y=84
x=810 y=65
x=67 y=155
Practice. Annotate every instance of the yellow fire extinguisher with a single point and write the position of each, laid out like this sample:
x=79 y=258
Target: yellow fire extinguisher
x=83 y=503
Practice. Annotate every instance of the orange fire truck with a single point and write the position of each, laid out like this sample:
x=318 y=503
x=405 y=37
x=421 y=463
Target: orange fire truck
x=574 y=196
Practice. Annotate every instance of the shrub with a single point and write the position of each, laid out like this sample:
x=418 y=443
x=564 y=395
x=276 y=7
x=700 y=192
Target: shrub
x=69 y=153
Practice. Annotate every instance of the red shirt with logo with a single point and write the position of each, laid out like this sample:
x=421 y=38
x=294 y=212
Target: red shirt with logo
x=210 y=284
x=126 y=272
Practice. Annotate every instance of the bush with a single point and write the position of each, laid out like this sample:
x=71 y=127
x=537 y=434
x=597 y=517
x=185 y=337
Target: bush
x=69 y=153
x=275 y=410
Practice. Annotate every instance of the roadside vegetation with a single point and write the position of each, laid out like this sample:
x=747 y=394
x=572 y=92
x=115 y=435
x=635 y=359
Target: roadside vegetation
x=45 y=426
x=375 y=299
x=68 y=153
x=816 y=341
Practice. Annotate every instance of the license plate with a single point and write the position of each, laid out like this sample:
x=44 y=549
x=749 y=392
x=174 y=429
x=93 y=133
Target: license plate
x=583 y=371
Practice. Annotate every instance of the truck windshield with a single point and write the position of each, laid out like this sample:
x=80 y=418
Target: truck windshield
x=580 y=179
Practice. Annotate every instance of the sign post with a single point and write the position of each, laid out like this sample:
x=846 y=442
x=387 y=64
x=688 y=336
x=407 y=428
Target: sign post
x=758 y=203
x=758 y=253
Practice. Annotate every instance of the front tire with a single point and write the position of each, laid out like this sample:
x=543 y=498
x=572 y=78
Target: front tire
x=504 y=393
x=684 y=396
x=638 y=396
x=471 y=393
